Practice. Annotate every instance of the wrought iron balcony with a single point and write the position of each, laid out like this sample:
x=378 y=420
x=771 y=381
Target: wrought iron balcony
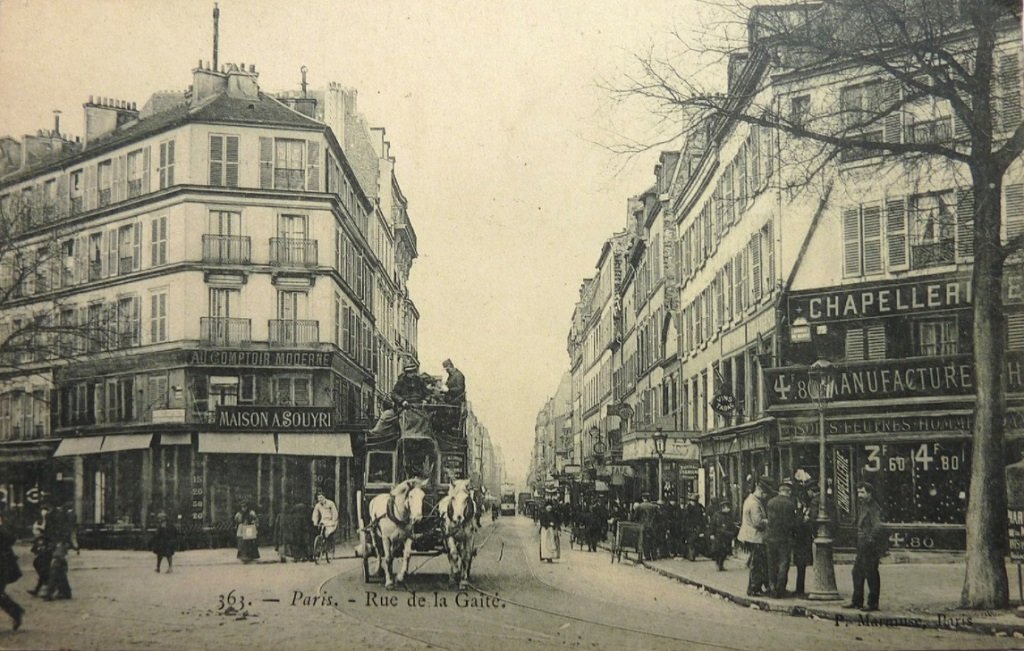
x=292 y=332
x=224 y=331
x=234 y=249
x=293 y=252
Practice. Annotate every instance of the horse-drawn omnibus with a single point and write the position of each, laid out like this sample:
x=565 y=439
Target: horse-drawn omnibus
x=414 y=467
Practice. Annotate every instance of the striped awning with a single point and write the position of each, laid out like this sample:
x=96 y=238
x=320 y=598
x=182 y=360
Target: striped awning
x=73 y=447
x=315 y=445
x=223 y=443
x=121 y=442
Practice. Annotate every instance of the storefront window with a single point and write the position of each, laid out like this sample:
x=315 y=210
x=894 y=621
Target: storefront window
x=919 y=482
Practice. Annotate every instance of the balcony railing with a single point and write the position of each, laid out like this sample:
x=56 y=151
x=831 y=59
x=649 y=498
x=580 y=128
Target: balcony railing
x=932 y=254
x=235 y=249
x=290 y=332
x=293 y=252
x=224 y=331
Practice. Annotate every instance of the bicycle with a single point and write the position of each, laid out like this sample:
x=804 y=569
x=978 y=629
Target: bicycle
x=323 y=545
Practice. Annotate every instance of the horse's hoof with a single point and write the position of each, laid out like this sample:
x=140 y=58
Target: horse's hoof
x=389 y=586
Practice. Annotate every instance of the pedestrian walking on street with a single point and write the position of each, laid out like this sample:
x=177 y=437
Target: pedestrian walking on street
x=549 y=538
x=58 y=587
x=43 y=551
x=646 y=513
x=779 y=536
x=872 y=544
x=9 y=573
x=752 y=527
x=246 y=533
x=164 y=542
x=803 y=544
x=721 y=533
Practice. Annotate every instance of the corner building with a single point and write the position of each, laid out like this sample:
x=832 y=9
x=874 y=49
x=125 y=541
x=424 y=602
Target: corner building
x=229 y=272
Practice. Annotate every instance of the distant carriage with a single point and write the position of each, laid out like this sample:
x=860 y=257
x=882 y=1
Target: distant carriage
x=430 y=447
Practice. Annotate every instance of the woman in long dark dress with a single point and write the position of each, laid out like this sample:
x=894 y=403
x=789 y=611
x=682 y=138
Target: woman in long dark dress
x=246 y=534
x=549 y=539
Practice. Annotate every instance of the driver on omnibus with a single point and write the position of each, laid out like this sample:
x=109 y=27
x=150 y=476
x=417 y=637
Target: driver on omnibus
x=325 y=513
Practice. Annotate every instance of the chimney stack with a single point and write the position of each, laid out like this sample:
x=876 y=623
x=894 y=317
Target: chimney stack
x=104 y=115
x=56 y=123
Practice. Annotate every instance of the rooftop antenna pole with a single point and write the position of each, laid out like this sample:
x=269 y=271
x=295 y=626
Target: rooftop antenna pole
x=303 y=70
x=216 y=34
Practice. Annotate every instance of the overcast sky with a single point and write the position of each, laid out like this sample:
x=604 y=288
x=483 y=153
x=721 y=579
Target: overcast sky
x=493 y=110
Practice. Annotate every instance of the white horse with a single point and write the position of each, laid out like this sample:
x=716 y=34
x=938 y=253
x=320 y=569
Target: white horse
x=392 y=517
x=459 y=509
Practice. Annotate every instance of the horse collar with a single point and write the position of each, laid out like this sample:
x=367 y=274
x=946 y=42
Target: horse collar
x=393 y=515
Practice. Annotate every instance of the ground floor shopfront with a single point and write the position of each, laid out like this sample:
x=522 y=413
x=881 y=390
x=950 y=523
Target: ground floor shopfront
x=732 y=458
x=117 y=484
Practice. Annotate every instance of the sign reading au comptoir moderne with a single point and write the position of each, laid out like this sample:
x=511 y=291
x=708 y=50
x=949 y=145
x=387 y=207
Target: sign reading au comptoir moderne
x=258 y=418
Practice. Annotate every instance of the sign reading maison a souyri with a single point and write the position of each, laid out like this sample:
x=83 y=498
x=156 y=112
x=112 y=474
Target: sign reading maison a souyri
x=895 y=378
x=865 y=301
x=260 y=418
x=259 y=358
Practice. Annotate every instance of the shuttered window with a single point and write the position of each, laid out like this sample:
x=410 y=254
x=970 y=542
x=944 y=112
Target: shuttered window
x=1008 y=75
x=1015 y=331
x=851 y=242
x=224 y=161
x=965 y=223
x=871 y=218
x=165 y=170
x=1013 y=204
x=896 y=234
x=755 y=266
x=862 y=241
x=876 y=341
x=855 y=345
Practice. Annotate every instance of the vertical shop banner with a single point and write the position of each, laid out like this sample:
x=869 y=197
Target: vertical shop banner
x=842 y=480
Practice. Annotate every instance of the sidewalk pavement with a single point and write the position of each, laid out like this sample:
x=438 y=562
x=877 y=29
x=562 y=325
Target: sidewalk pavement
x=914 y=593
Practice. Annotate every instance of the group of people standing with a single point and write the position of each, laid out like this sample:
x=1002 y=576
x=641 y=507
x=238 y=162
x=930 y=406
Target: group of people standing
x=680 y=530
x=778 y=527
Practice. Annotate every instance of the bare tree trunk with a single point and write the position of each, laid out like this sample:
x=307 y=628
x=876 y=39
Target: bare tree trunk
x=985 y=583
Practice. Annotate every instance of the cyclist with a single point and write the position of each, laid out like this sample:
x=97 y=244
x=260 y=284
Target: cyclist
x=325 y=515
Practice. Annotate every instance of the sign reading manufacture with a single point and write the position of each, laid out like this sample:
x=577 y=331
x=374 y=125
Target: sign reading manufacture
x=891 y=378
x=259 y=418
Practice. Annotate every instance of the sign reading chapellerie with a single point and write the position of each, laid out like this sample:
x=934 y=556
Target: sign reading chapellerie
x=891 y=378
x=260 y=418
x=880 y=300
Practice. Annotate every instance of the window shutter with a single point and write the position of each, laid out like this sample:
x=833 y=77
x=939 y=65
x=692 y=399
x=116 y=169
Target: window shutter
x=854 y=345
x=871 y=216
x=1013 y=204
x=851 y=242
x=266 y=162
x=896 y=234
x=755 y=266
x=1009 y=89
x=769 y=243
x=1015 y=331
x=876 y=341
x=136 y=320
x=216 y=160
x=90 y=187
x=120 y=191
x=892 y=125
x=137 y=247
x=111 y=265
x=81 y=260
x=231 y=161
x=63 y=198
x=754 y=143
x=965 y=222
x=312 y=166
x=146 y=165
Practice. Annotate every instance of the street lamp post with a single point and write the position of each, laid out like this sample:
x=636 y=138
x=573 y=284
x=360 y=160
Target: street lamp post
x=821 y=385
x=660 y=440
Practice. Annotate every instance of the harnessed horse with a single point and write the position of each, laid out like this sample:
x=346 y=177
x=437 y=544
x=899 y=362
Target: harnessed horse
x=459 y=511
x=392 y=516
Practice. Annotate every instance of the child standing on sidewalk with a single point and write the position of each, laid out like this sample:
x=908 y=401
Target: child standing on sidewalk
x=164 y=542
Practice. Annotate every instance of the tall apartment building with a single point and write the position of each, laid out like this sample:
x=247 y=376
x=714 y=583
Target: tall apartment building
x=228 y=273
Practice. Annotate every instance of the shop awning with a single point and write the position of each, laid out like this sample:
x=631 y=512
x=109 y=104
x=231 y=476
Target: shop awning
x=315 y=445
x=73 y=447
x=177 y=438
x=121 y=442
x=221 y=443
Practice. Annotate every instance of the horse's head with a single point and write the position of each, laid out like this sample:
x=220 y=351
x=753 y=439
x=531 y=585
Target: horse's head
x=461 y=506
x=408 y=496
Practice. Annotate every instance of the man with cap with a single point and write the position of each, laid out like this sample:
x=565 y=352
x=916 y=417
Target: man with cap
x=454 y=385
x=694 y=523
x=646 y=513
x=803 y=544
x=752 y=527
x=410 y=386
x=721 y=532
x=782 y=524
